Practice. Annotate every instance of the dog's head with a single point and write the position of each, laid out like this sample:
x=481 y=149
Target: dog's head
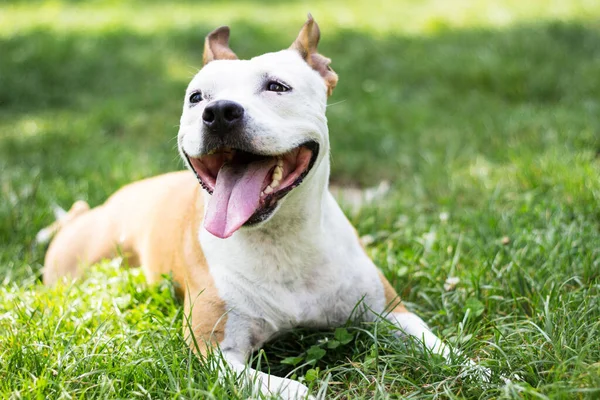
x=253 y=130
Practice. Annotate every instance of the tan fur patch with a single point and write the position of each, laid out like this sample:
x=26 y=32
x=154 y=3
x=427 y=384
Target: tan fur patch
x=167 y=243
x=392 y=300
x=306 y=44
x=216 y=46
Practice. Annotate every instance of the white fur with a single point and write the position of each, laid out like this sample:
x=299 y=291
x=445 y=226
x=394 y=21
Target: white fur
x=265 y=383
x=304 y=266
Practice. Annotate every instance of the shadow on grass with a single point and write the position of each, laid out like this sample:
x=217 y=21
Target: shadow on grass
x=83 y=113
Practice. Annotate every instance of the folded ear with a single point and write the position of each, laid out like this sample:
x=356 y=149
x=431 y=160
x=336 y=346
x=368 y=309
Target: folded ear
x=216 y=46
x=306 y=44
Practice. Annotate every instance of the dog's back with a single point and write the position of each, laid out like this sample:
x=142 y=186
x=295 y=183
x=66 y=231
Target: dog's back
x=140 y=222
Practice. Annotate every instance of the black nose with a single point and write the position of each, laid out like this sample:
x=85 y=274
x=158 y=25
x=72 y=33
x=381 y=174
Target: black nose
x=221 y=116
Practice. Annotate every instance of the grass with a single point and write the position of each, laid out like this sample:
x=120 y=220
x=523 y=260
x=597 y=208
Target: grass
x=483 y=116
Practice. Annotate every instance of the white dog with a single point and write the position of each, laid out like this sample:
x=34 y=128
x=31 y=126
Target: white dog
x=262 y=246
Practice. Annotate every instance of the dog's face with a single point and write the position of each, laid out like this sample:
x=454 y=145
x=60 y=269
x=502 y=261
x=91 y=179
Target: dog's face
x=253 y=130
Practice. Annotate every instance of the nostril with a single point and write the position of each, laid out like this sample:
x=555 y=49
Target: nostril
x=208 y=115
x=233 y=112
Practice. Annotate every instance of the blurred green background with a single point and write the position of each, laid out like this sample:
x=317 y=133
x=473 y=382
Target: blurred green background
x=436 y=96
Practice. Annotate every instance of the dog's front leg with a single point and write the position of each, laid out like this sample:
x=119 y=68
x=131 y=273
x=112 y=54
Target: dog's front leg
x=211 y=324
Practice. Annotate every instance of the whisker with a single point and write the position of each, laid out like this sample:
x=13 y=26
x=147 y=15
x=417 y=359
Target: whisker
x=193 y=70
x=333 y=104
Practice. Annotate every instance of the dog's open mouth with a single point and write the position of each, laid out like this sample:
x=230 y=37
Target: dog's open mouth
x=246 y=187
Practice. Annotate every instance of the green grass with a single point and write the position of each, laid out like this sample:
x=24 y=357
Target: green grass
x=483 y=115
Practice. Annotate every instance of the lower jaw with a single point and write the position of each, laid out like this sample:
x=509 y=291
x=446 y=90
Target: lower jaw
x=260 y=216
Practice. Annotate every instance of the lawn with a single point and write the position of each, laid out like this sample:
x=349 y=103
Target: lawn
x=482 y=115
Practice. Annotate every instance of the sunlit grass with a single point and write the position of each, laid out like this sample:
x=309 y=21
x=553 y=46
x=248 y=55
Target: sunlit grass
x=374 y=17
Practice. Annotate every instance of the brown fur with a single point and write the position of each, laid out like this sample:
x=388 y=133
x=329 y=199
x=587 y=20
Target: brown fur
x=154 y=223
x=216 y=46
x=392 y=300
x=306 y=44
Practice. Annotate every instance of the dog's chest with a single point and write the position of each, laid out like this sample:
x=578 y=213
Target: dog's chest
x=318 y=301
x=291 y=286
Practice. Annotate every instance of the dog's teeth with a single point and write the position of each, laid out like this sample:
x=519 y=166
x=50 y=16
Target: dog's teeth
x=277 y=173
x=275 y=178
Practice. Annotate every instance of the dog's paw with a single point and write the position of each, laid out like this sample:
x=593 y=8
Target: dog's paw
x=285 y=389
x=295 y=391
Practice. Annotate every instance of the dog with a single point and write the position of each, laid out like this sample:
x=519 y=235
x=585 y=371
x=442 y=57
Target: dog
x=254 y=241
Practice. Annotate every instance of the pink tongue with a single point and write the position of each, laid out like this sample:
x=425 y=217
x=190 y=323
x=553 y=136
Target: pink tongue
x=236 y=197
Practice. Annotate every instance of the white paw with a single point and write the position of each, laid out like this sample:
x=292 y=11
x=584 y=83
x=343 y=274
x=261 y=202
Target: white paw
x=286 y=389
x=295 y=391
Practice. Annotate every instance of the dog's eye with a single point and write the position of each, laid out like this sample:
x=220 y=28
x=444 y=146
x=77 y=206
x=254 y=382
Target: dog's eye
x=195 y=97
x=277 y=87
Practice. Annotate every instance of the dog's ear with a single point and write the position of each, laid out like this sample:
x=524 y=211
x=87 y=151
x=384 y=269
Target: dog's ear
x=306 y=44
x=216 y=46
